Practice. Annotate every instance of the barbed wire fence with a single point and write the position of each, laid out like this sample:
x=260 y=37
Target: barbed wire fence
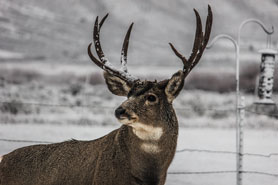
x=112 y=108
x=180 y=151
x=187 y=150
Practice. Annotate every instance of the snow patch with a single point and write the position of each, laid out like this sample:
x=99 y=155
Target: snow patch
x=9 y=54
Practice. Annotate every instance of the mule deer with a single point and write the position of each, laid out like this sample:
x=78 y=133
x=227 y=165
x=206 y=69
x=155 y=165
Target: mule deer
x=139 y=152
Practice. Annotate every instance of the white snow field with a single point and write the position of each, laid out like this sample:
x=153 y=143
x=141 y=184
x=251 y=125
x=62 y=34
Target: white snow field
x=255 y=141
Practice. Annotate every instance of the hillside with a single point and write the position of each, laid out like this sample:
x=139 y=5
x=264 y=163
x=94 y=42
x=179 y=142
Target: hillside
x=59 y=31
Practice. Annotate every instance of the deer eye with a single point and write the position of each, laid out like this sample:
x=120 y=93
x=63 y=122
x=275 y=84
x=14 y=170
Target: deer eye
x=151 y=98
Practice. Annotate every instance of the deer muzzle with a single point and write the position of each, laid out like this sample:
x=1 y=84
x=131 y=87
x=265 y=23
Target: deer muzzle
x=120 y=113
x=124 y=116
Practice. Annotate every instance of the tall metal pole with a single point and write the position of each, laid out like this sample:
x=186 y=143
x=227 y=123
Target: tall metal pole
x=237 y=107
x=260 y=23
x=240 y=139
x=240 y=107
x=239 y=104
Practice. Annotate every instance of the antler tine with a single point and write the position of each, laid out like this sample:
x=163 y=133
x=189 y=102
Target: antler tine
x=125 y=49
x=208 y=26
x=196 y=45
x=93 y=58
x=97 y=40
x=103 y=62
x=205 y=38
x=102 y=21
x=184 y=60
x=197 y=41
x=199 y=45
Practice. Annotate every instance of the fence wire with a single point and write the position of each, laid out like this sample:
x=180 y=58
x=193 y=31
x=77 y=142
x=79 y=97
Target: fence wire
x=260 y=173
x=201 y=172
x=178 y=151
x=181 y=151
x=263 y=114
x=227 y=152
x=55 y=105
x=25 y=141
x=222 y=172
x=112 y=107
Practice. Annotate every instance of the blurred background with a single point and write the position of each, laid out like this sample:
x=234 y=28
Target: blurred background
x=51 y=91
x=43 y=55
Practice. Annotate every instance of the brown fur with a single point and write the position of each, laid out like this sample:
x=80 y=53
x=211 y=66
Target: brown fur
x=121 y=157
x=113 y=159
x=139 y=152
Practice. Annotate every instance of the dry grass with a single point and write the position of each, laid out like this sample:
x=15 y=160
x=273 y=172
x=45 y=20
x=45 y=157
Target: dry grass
x=225 y=82
x=200 y=105
x=221 y=82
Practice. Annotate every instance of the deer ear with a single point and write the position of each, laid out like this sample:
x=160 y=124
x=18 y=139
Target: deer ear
x=116 y=85
x=174 y=86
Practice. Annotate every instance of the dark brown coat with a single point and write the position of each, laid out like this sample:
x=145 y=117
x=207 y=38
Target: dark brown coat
x=138 y=153
x=113 y=159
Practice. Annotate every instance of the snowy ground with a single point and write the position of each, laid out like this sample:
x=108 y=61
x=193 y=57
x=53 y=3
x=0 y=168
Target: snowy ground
x=255 y=141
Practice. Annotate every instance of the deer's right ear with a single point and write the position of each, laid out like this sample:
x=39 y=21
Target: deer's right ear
x=116 y=85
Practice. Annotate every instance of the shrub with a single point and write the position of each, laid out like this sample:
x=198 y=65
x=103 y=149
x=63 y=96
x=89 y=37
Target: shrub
x=13 y=107
x=248 y=77
x=17 y=76
x=225 y=82
x=96 y=78
x=219 y=82
x=75 y=89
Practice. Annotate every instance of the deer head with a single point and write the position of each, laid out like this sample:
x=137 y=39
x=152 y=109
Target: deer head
x=149 y=103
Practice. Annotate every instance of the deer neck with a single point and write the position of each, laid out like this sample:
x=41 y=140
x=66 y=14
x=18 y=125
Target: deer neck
x=150 y=153
x=155 y=138
x=151 y=148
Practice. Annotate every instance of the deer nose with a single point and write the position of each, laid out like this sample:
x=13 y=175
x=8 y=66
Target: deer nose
x=119 y=112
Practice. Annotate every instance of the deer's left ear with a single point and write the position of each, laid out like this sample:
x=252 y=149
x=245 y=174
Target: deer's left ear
x=174 y=86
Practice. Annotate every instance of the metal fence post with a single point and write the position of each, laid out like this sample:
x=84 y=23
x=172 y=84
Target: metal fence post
x=241 y=110
x=237 y=107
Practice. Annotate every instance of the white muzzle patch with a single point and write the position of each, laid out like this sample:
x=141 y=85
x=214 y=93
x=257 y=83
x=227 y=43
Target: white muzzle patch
x=1 y=157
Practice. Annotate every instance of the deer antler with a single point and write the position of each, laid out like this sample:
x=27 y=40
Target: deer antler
x=200 y=43
x=103 y=62
x=124 y=49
